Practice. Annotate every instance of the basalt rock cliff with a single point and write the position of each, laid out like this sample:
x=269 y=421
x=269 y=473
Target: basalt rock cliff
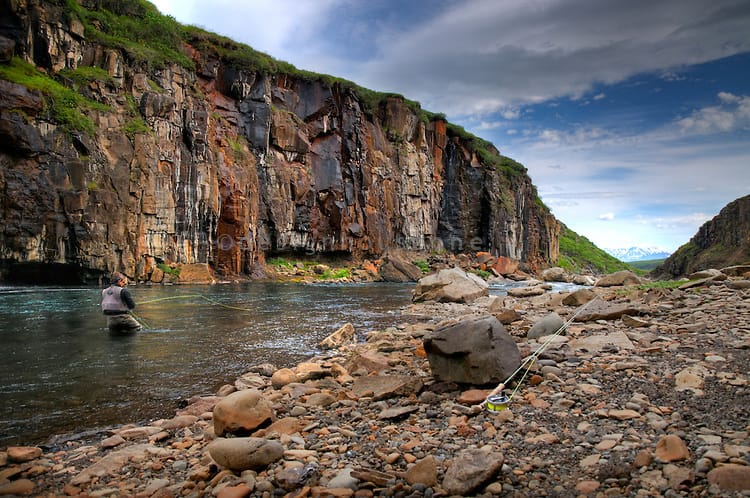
x=721 y=242
x=120 y=153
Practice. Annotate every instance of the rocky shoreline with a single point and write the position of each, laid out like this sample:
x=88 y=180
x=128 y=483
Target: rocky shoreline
x=644 y=393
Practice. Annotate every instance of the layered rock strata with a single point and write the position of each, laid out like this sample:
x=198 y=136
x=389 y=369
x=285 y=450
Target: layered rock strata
x=225 y=166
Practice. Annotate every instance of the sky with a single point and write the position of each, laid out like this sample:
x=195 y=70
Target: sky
x=631 y=116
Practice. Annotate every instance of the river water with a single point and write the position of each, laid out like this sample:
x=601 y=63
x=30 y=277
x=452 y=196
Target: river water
x=61 y=372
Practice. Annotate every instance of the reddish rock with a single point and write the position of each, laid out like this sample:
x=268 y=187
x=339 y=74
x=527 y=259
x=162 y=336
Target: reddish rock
x=198 y=273
x=239 y=491
x=20 y=454
x=242 y=412
x=588 y=486
x=731 y=477
x=423 y=472
x=473 y=396
x=671 y=448
x=505 y=266
x=643 y=459
x=283 y=377
x=19 y=487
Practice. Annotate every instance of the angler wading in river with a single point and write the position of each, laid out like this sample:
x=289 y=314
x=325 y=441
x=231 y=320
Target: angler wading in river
x=117 y=304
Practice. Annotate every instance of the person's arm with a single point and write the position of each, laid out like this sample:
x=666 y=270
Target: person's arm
x=127 y=299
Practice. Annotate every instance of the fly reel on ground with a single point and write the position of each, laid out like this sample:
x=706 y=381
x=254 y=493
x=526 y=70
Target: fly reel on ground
x=497 y=402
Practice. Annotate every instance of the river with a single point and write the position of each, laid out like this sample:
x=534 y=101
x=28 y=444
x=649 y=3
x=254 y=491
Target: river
x=61 y=372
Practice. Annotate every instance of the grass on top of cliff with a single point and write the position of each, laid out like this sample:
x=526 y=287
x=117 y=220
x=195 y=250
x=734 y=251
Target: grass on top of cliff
x=579 y=254
x=157 y=40
x=62 y=103
x=135 y=26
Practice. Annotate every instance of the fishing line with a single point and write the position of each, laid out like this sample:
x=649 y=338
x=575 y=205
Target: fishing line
x=201 y=296
x=531 y=358
x=185 y=296
x=140 y=320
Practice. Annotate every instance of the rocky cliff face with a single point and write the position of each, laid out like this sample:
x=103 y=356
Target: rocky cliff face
x=721 y=242
x=125 y=164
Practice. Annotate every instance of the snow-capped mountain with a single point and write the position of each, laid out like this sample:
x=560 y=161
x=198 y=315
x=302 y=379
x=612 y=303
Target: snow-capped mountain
x=638 y=253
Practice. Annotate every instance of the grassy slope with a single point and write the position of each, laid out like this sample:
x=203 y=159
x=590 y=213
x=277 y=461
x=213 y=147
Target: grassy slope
x=646 y=265
x=579 y=255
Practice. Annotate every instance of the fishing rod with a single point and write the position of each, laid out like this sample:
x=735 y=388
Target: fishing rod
x=496 y=401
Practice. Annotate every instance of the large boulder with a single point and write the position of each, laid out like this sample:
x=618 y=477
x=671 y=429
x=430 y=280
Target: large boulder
x=398 y=269
x=476 y=350
x=547 y=325
x=528 y=291
x=623 y=277
x=579 y=297
x=605 y=310
x=555 y=274
x=471 y=469
x=505 y=266
x=450 y=286
x=242 y=412
x=196 y=273
x=344 y=335
x=245 y=453
x=386 y=386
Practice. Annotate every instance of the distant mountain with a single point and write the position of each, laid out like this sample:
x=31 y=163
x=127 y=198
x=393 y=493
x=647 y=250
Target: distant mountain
x=638 y=253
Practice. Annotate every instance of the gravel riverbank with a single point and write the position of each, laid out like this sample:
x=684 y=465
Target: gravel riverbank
x=651 y=402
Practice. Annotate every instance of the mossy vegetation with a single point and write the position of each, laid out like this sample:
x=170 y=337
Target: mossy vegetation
x=423 y=265
x=646 y=265
x=155 y=87
x=239 y=147
x=64 y=105
x=309 y=269
x=137 y=28
x=481 y=273
x=578 y=254
x=335 y=274
x=84 y=75
x=135 y=123
x=153 y=41
x=173 y=272
x=281 y=263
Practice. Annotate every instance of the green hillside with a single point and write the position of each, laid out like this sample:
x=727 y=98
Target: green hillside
x=646 y=265
x=579 y=255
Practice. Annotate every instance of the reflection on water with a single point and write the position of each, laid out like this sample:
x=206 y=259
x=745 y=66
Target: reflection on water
x=61 y=372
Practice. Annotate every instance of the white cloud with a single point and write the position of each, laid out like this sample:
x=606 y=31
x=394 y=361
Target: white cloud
x=733 y=112
x=512 y=53
x=607 y=216
x=510 y=113
x=489 y=125
x=579 y=136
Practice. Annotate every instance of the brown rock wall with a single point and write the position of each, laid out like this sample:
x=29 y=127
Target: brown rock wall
x=222 y=166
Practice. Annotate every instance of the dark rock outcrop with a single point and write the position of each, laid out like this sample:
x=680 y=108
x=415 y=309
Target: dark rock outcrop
x=721 y=242
x=223 y=165
x=476 y=350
